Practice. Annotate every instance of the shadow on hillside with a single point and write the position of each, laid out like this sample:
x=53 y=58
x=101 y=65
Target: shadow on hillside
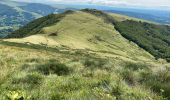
x=63 y=49
x=28 y=46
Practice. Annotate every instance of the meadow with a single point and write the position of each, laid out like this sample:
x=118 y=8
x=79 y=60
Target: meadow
x=93 y=61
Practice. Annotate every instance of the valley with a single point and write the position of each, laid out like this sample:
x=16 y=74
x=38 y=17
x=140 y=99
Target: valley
x=17 y=14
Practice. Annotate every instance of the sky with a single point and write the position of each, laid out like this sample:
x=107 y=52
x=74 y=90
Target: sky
x=147 y=3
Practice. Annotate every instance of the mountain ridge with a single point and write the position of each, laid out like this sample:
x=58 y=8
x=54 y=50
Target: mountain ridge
x=128 y=32
x=81 y=55
x=92 y=39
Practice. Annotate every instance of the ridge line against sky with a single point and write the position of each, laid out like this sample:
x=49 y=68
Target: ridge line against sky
x=146 y=3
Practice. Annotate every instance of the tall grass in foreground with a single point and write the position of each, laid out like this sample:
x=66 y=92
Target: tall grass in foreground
x=29 y=74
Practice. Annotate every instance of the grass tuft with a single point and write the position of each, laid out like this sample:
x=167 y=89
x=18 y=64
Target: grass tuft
x=54 y=68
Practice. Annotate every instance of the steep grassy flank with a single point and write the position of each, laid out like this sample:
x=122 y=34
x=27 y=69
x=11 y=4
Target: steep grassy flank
x=80 y=30
x=32 y=71
x=153 y=38
x=34 y=27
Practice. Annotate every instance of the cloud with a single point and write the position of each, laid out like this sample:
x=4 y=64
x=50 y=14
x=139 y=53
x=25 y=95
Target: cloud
x=110 y=2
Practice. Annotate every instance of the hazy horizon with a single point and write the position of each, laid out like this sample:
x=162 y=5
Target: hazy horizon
x=164 y=4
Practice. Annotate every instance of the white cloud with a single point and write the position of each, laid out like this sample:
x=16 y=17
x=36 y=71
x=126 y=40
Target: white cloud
x=111 y=2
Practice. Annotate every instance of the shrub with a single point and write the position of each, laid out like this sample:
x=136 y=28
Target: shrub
x=56 y=96
x=94 y=63
x=54 y=68
x=164 y=76
x=157 y=82
x=128 y=76
x=135 y=66
x=161 y=88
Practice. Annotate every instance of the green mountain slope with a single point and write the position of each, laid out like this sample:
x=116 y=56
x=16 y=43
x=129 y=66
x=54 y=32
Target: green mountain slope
x=153 y=38
x=16 y=14
x=36 y=26
x=79 y=56
x=97 y=35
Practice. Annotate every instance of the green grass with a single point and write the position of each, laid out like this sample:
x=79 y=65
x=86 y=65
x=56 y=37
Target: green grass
x=90 y=62
x=93 y=34
x=75 y=74
x=53 y=68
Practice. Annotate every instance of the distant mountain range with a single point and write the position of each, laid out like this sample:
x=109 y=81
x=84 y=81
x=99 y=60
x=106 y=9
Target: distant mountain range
x=16 y=14
x=160 y=15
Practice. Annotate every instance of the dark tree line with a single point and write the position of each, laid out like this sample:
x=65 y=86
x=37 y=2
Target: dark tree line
x=153 y=38
x=35 y=26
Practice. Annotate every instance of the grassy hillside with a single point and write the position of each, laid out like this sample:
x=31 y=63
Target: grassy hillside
x=17 y=14
x=78 y=56
x=79 y=30
x=36 y=72
x=154 y=38
x=151 y=37
x=36 y=26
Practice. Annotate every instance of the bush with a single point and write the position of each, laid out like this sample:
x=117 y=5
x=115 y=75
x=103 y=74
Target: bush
x=54 y=68
x=56 y=96
x=161 y=88
x=94 y=63
x=158 y=81
x=128 y=76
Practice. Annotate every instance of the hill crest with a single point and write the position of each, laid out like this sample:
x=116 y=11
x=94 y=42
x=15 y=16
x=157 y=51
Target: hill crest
x=82 y=30
x=78 y=54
